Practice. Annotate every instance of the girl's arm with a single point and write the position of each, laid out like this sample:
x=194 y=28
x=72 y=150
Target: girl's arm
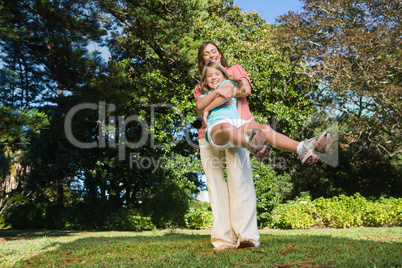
x=203 y=102
x=209 y=100
x=236 y=93
x=219 y=100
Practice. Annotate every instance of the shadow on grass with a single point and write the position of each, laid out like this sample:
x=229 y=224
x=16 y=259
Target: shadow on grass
x=13 y=234
x=365 y=248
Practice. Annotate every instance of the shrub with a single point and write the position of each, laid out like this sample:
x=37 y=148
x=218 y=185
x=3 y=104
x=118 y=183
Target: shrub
x=128 y=220
x=199 y=215
x=3 y=223
x=198 y=218
x=337 y=212
x=383 y=212
x=26 y=216
x=168 y=205
x=340 y=212
x=292 y=215
x=271 y=189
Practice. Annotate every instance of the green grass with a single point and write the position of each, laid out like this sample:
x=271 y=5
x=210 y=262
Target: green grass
x=355 y=247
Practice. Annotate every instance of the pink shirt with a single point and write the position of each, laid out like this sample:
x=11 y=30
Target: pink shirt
x=242 y=105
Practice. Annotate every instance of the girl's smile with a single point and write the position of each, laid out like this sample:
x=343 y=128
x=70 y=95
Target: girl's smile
x=214 y=77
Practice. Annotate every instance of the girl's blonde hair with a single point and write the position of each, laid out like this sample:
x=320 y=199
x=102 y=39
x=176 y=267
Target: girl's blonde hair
x=204 y=85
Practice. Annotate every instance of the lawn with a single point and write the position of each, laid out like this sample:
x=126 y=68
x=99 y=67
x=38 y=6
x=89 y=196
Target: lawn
x=354 y=247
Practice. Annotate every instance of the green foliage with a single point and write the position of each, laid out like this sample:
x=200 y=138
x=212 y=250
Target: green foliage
x=340 y=212
x=3 y=223
x=23 y=214
x=19 y=125
x=168 y=205
x=271 y=189
x=366 y=172
x=351 y=49
x=199 y=215
x=295 y=214
x=383 y=212
x=337 y=212
x=126 y=219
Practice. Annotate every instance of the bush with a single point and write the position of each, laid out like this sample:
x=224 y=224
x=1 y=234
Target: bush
x=198 y=218
x=292 y=215
x=337 y=212
x=199 y=215
x=383 y=212
x=271 y=189
x=3 y=223
x=168 y=205
x=26 y=216
x=340 y=211
x=23 y=214
x=128 y=220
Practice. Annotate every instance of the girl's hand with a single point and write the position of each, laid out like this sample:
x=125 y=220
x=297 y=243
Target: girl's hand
x=205 y=117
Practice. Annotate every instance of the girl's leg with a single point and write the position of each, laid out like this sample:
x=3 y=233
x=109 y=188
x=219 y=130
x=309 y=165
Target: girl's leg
x=305 y=149
x=223 y=133
x=255 y=141
x=277 y=140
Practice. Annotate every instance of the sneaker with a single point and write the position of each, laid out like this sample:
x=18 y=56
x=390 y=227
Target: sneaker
x=321 y=144
x=223 y=247
x=246 y=243
x=309 y=158
x=257 y=145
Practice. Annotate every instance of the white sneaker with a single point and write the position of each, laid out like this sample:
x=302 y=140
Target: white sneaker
x=321 y=144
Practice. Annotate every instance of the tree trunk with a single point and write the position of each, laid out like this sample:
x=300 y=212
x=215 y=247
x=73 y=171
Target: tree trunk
x=60 y=193
x=10 y=184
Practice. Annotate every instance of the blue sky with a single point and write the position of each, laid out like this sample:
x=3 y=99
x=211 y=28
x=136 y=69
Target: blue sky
x=269 y=9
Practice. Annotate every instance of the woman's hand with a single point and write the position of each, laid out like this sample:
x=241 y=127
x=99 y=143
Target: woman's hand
x=226 y=92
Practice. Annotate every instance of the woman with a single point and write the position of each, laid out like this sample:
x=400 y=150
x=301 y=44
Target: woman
x=233 y=202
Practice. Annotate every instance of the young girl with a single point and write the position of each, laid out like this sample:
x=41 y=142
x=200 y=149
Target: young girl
x=225 y=129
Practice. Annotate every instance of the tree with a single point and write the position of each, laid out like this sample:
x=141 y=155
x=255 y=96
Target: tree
x=44 y=57
x=352 y=50
x=17 y=128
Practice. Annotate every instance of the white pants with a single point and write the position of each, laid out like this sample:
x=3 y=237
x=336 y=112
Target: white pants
x=233 y=202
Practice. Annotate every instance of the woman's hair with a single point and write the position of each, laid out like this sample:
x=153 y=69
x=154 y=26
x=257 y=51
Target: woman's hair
x=204 y=85
x=201 y=62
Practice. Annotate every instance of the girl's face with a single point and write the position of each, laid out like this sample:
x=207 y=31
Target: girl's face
x=214 y=77
x=211 y=53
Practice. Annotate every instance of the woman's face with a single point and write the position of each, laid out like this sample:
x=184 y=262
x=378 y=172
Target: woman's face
x=211 y=53
x=214 y=77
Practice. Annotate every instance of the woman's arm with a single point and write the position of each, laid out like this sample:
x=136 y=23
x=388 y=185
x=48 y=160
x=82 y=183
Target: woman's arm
x=246 y=86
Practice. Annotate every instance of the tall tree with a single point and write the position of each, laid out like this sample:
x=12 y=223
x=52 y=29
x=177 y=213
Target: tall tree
x=44 y=57
x=352 y=49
